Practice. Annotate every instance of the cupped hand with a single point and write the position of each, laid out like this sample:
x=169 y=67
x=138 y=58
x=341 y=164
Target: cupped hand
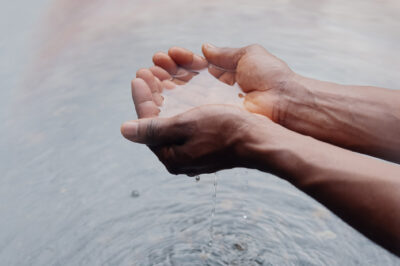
x=203 y=140
x=262 y=76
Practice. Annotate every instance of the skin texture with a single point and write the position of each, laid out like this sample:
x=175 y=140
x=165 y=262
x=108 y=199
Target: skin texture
x=361 y=190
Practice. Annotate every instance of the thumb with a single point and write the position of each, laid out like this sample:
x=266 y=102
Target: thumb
x=260 y=103
x=226 y=58
x=151 y=131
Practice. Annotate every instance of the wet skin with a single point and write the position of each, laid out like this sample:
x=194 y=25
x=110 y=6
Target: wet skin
x=363 y=191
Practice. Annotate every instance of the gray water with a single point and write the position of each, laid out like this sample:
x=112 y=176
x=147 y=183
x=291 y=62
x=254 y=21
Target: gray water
x=74 y=192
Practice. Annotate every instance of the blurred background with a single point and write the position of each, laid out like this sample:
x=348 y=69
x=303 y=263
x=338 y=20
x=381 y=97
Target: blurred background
x=74 y=192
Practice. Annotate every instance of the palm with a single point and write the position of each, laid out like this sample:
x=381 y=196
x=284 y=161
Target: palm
x=258 y=73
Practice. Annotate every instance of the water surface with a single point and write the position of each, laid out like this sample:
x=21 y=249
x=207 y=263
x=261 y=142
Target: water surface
x=74 y=192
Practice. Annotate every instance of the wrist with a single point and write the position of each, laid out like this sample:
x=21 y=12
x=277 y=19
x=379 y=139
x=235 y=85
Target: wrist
x=293 y=96
x=274 y=149
x=263 y=145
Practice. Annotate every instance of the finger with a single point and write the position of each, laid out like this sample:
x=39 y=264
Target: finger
x=143 y=99
x=168 y=84
x=149 y=78
x=160 y=73
x=187 y=59
x=226 y=58
x=227 y=77
x=165 y=62
x=152 y=82
x=183 y=75
x=160 y=84
x=153 y=131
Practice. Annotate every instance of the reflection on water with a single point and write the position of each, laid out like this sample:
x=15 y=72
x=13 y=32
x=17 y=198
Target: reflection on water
x=74 y=192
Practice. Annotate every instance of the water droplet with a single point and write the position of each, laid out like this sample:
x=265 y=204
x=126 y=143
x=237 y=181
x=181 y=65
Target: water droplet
x=238 y=247
x=135 y=194
x=197 y=178
x=244 y=216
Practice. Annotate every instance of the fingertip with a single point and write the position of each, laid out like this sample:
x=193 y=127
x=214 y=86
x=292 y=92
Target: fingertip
x=157 y=56
x=145 y=74
x=148 y=77
x=122 y=130
x=204 y=49
x=207 y=50
x=137 y=82
x=208 y=46
x=129 y=130
x=165 y=61
x=140 y=72
x=176 y=50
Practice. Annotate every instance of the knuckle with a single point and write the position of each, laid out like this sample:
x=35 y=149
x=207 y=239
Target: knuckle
x=152 y=130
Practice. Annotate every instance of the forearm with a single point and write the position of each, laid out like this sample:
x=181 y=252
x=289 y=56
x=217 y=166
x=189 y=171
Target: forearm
x=363 y=191
x=361 y=118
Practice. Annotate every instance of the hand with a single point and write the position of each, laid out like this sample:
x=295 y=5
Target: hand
x=263 y=77
x=203 y=140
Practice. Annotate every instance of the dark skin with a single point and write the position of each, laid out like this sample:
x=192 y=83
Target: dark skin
x=361 y=190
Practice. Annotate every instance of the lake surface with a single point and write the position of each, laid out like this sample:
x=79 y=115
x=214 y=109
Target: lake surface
x=74 y=192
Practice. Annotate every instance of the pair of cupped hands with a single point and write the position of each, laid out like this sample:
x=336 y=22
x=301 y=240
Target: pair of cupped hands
x=209 y=138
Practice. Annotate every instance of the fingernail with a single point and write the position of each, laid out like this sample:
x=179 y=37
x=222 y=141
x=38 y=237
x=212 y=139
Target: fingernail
x=129 y=130
x=209 y=45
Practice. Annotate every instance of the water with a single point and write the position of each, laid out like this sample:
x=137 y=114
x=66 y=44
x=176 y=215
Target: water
x=202 y=89
x=214 y=202
x=68 y=175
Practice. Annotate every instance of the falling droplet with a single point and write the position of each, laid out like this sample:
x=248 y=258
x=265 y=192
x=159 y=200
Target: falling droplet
x=197 y=178
x=135 y=194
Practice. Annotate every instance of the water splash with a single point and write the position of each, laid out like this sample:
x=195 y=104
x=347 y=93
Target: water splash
x=245 y=190
x=214 y=201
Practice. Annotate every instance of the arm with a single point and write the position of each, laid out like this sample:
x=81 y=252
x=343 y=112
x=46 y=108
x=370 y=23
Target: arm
x=360 y=118
x=363 y=191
